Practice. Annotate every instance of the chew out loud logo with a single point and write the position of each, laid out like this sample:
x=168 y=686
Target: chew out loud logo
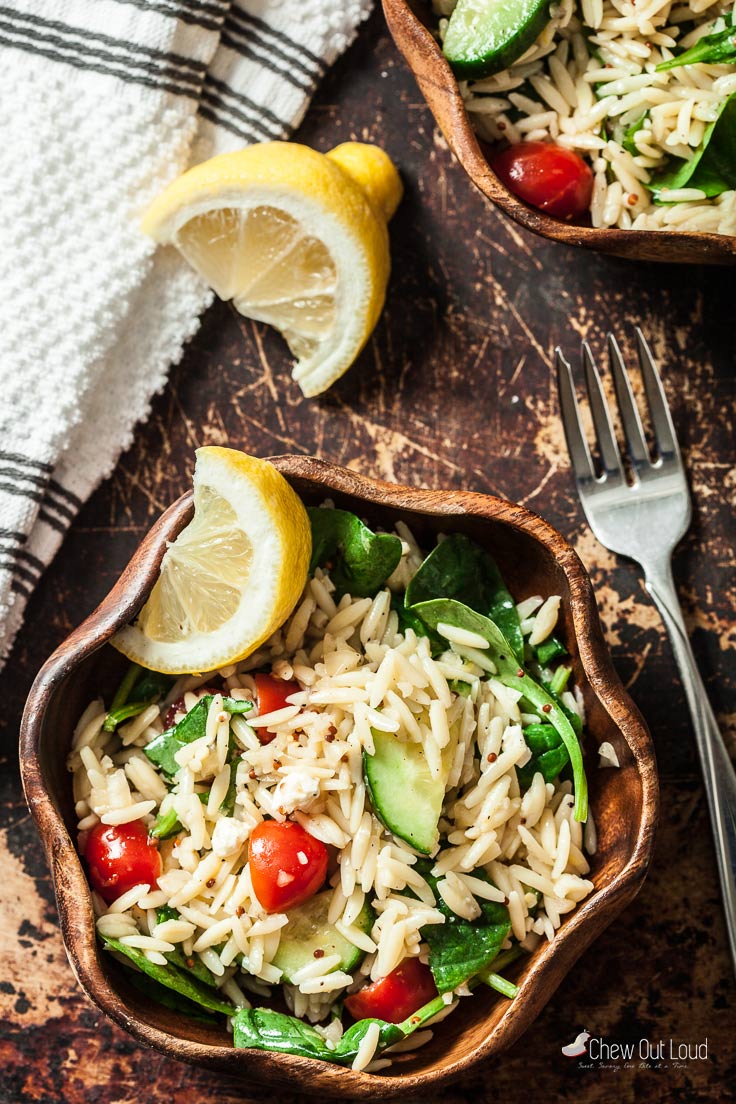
x=597 y=1049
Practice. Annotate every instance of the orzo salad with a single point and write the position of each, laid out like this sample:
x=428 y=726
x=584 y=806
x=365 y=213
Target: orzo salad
x=335 y=840
x=623 y=110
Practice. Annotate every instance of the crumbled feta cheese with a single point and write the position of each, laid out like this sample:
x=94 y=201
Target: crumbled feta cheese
x=228 y=837
x=283 y=878
x=297 y=790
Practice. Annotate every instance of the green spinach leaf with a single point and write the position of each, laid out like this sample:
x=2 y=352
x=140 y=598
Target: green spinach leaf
x=712 y=168
x=163 y=748
x=459 y=949
x=512 y=674
x=149 y=687
x=360 y=559
x=264 y=1029
x=460 y=569
x=627 y=138
x=549 y=650
x=169 y=998
x=172 y=978
x=718 y=48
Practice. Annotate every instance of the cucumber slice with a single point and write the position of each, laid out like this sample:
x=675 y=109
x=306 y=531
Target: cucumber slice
x=309 y=930
x=486 y=36
x=405 y=796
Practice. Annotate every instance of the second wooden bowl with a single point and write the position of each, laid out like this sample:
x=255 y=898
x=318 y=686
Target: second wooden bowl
x=411 y=23
x=534 y=559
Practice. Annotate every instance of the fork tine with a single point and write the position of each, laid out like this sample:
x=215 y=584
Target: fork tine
x=610 y=455
x=659 y=410
x=577 y=445
x=633 y=432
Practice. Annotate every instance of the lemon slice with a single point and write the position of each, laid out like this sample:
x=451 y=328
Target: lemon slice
x=232 y=576
x=295 y=238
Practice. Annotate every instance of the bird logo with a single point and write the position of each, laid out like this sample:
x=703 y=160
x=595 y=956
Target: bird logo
x=577 y=1047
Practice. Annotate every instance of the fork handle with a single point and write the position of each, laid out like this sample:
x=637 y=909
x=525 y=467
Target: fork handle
x=718 y=772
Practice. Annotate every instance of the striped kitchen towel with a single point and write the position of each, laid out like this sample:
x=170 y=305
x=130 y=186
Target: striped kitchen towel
x=104 y=102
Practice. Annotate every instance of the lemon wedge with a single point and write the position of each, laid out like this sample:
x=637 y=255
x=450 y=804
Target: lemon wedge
x=295 y=238
x=232 y=576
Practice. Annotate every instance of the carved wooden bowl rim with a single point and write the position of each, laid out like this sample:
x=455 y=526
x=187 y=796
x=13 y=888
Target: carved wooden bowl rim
x=485 y=1035
x=440 y=89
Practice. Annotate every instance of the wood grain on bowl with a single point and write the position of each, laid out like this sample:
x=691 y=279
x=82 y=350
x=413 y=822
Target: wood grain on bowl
x=534 y=558
x=411 y=23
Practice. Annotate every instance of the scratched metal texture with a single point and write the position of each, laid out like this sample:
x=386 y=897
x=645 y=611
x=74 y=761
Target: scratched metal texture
x=454 y=390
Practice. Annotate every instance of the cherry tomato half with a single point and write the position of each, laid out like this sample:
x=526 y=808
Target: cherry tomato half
x=287 y=865
x=272 y=694
x=396 y=996
x=554 y=179
x=119 y=857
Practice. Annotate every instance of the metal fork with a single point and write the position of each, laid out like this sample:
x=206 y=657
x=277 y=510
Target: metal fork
x=644 y=517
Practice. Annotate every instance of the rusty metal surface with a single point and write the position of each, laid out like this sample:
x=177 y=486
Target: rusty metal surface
x=454 y=390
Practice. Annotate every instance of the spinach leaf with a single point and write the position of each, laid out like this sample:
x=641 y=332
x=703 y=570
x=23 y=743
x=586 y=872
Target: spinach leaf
x=172 y=978
x=264 y=1029
x=169 y=999
x=459 y=686
x=549 y=754
x=712 y=168
x=153 y=685
x=550 y=649
x=149 y=687
x=512 y=674
x=125 y=688
x=627 y=138
x=460 y=569
x=167 y=825
x=360 y=559
x=193 y=965
x=163 y=748
x=409 y=620
x=124 y=713
x=459 y=949
x=718 y=48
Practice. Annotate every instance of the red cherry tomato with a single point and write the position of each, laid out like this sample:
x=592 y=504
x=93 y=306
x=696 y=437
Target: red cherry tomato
x=554 y=179
x=119 y=857
x=396 y=996
x=272 y=694
x=287 y=865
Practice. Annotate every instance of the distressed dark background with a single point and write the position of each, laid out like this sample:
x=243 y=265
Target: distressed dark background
x=454 y=390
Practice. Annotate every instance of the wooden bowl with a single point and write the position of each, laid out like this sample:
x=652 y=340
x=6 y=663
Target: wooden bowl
x=534 y=558
x=411 y=23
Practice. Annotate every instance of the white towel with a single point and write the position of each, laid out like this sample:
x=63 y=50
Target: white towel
x=103 y=103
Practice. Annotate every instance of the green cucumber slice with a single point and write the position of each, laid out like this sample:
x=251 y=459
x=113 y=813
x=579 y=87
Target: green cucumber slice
x=486 y=36
x=309 y=930
x=405 y=796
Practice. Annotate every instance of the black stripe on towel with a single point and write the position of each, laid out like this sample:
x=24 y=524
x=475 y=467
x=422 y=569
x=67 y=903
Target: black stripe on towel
x=176 y=9
x=95 y=67
x=56 y=488
x=46 y=493
x=51 y=521
x=252 y=114
x=21 y=588
x=262 y=29
x=212 y=116
x=8 y=549
x=247 y=51
x=135 y=50
x=17 y=569
x=14 y=473
x=16 y=458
